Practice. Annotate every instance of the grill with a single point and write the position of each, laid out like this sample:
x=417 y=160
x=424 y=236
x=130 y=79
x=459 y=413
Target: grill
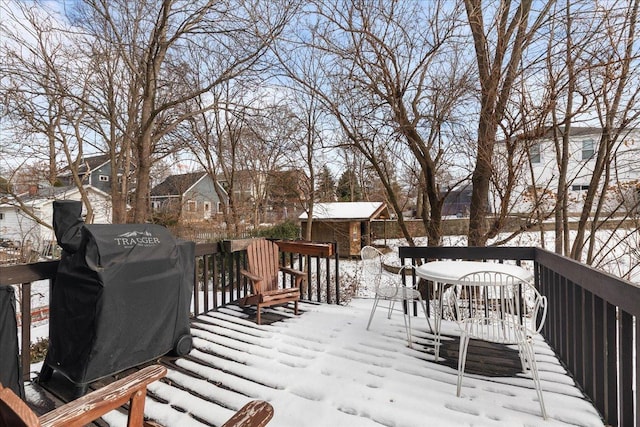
x=121 y=297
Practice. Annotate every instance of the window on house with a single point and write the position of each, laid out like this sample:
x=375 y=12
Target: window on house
x=534 y=153
x=192 y=206
x=579 y=187
x=1 y=216
x=588 y=149
x=207 y=207
x=219 y=207
x=104 y=178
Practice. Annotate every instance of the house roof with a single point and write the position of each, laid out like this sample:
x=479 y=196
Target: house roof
x=87 y=164
x=176 y=185
x=49 y=194
x=347 y=210
x=575 y=131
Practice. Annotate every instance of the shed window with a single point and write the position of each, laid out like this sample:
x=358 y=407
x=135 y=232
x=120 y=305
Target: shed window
x=104 y=178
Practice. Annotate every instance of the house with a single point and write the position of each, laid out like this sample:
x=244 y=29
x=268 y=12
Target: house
x=347 y=223
x=32 y=228
x=189 y=196
x=457 y=201
x=277 y=194
x=624 y=187
x=94 y=171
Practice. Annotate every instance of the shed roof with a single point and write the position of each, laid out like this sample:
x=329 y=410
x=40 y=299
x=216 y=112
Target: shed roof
x=347 y=211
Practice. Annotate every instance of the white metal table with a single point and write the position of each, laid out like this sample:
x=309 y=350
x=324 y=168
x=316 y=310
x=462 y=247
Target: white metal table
x=443 y=273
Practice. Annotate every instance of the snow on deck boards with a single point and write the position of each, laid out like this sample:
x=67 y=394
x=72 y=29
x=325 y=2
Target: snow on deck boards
x=323 y=368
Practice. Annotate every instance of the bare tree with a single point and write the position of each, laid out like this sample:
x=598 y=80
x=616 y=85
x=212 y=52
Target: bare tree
x=617 y=97
x=376 y=77
x=162 y=46
x=499 y=46
x=42 y=82
x=142 y=61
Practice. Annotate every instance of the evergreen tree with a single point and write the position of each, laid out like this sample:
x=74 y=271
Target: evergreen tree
x=326 y=189
x=348 y=189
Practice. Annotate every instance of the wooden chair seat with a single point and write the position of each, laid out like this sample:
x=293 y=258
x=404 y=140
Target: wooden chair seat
x=262 y=273
x=256 y=413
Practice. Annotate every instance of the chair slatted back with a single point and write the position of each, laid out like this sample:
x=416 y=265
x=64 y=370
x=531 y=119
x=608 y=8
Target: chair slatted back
x=371 y=266
x=499 y=307
x=262 y=259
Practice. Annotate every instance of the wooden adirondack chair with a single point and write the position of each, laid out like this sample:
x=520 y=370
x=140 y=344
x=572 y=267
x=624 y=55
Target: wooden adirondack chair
x=132 y=389
x=263 y=268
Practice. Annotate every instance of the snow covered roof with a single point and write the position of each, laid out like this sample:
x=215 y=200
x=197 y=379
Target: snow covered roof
x=347 y=210
x=49 y=194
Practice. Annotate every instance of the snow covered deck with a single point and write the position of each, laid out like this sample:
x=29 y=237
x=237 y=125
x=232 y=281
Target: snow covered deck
x=323 y=368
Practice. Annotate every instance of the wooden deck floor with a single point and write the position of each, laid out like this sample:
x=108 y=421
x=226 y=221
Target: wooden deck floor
x=226 y=369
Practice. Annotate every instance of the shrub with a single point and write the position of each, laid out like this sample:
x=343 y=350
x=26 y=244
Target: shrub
x=38 y=349
x=287 y=230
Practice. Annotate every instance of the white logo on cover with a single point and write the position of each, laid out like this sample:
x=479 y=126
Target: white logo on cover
x=136 y=238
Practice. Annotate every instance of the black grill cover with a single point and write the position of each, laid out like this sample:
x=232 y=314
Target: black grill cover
x=10 y=372
x=121 y=299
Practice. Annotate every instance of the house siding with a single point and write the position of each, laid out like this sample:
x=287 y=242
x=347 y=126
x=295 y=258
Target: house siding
x=20 y=227
x=579 y=173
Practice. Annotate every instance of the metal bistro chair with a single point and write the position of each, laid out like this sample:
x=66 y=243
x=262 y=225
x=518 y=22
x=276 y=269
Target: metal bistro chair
x=389 y=287
x=500 y=308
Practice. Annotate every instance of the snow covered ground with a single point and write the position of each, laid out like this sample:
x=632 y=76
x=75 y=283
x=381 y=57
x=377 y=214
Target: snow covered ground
x=323 y=368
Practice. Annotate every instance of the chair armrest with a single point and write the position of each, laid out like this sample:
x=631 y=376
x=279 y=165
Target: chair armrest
x=256 y=413
x=249 y=275
x=97 y=403
x=299 y=276
x=293 y=271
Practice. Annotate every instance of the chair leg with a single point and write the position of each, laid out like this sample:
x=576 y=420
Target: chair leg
x=373 y=310
x=295 y=307
x=258 y=320
x=424 y=310
x=533 y=367
x=407 y=326
x=462 y=359
x=391 y=304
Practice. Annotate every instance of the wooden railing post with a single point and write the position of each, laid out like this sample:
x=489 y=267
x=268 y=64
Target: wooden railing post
x=25 y=330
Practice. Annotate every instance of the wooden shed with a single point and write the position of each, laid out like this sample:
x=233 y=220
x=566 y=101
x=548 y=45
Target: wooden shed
x=347 y=223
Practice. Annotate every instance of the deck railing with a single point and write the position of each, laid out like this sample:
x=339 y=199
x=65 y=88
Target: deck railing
x=591 y=322
x=218 y=280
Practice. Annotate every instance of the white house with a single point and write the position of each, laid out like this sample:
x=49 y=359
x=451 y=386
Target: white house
x=582 y=143
x=18 y=226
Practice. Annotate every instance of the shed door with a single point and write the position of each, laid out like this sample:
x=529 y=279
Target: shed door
x=354 y=240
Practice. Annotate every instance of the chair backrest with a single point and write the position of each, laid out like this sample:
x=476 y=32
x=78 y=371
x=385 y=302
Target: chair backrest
x=499 y=307
x=371 y=266
x=262 y=260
